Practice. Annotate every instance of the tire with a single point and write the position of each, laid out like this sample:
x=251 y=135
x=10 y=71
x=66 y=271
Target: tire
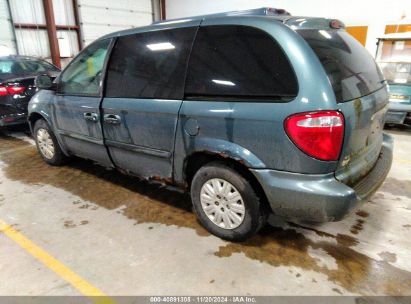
x=217 y=175
x=46 y=142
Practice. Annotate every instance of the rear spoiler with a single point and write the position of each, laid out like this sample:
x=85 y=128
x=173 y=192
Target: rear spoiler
x=301 y=23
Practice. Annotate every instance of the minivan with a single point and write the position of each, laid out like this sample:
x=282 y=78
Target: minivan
x=253 y=112
x=394 y=59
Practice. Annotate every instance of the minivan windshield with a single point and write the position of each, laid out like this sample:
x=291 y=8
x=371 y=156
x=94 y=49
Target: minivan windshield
x=394 y=59
x=350 y=68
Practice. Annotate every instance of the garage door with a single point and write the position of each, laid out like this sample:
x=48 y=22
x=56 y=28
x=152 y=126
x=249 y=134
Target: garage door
x=100 y=17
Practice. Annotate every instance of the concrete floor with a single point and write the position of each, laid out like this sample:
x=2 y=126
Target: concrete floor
x=127 y=237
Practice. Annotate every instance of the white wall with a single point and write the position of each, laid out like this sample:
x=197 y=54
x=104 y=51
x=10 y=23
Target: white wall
x=373 y=13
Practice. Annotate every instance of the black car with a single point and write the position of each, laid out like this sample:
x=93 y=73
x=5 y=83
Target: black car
x=17 y=75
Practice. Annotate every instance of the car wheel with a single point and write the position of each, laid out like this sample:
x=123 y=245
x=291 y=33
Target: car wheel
x=226 y=203
x=47 y=144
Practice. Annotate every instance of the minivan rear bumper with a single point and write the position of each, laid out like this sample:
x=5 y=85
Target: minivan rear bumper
x=397 y=113
x=321 y=198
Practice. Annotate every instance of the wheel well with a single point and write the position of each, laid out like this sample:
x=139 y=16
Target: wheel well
x=33 y=118
x=197 y=160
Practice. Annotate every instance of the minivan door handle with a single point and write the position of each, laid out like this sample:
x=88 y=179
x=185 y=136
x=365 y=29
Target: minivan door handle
x=91 y=116
x=112 y=119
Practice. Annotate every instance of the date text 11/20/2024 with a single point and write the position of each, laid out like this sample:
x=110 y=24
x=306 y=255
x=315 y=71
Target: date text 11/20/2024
x=203 y=299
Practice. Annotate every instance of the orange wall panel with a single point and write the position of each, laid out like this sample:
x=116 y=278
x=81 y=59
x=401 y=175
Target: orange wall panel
x=358 y=32
x=397 y=28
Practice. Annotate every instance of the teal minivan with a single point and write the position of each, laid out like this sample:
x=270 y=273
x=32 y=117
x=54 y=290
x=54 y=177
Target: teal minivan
x=253 y=112
x=394 y=59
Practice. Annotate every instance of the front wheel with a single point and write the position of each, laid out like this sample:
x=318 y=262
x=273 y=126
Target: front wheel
x=226 y=203
x=47 y=144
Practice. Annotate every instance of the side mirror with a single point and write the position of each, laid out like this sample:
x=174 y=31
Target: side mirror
x=44 y=82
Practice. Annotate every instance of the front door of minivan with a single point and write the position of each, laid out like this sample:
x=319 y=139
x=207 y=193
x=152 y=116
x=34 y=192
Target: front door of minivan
x=144 y=92
x=77 y=104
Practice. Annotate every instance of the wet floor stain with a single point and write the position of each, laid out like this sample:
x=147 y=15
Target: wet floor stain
x=362 y=213
x=144 y=202
x=357 y=227
x=69 y=224
x=148 y=203
x=388 y=256
x=397 y=187
x=355 y=272
x=72 y=224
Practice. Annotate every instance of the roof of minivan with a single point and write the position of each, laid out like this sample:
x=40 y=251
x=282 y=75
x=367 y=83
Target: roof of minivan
x=276 y=14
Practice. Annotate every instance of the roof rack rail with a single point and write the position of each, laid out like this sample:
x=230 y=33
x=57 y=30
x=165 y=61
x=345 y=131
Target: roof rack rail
x=263 y=11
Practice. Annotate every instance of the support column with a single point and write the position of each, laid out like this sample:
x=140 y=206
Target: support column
x=163 y=9
x=52 y=32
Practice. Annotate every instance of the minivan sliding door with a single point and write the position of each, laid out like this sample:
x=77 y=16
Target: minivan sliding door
x=144 y=92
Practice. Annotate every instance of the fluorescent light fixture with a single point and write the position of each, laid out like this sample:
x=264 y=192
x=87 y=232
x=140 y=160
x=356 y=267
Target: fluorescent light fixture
x=161 y=46
x=222 y=111
x=224 y=82
x=325 y=34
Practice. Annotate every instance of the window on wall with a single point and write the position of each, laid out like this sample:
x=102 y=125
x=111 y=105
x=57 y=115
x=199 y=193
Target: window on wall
x=150 y=65
x=83 y=75
x=239 y=61
x=394 y=59
x=31 y=31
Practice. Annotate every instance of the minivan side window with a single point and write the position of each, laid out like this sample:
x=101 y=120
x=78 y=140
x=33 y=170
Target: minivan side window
x=238 y=61
x=83 y=75
x=150 y=65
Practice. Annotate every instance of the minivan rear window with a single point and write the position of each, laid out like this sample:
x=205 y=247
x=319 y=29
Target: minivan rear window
x=352 y=71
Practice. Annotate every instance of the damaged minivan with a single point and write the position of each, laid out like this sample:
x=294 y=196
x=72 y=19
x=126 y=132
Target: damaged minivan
x=253 y=112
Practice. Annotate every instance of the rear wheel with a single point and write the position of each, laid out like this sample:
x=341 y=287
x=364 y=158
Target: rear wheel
x=226 y=203
x=47 y=144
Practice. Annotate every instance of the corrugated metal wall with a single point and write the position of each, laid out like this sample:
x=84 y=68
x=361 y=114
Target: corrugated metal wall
x=96 y=18
x=7 y=43
x=100 y=17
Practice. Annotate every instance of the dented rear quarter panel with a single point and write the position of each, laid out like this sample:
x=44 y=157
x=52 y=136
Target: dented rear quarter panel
x=364 y=121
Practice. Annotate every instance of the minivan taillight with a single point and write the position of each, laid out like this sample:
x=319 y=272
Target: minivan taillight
x=318 y=134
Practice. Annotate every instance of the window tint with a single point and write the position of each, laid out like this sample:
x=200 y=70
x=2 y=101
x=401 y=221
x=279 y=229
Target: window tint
x=37 y=66
x=239 y=61
x=83 y=75
x=5 y=66
x=350 y=68
x=150 y=65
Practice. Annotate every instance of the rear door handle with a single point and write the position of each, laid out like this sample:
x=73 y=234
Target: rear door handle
x=112 y=119
x=91 y=116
